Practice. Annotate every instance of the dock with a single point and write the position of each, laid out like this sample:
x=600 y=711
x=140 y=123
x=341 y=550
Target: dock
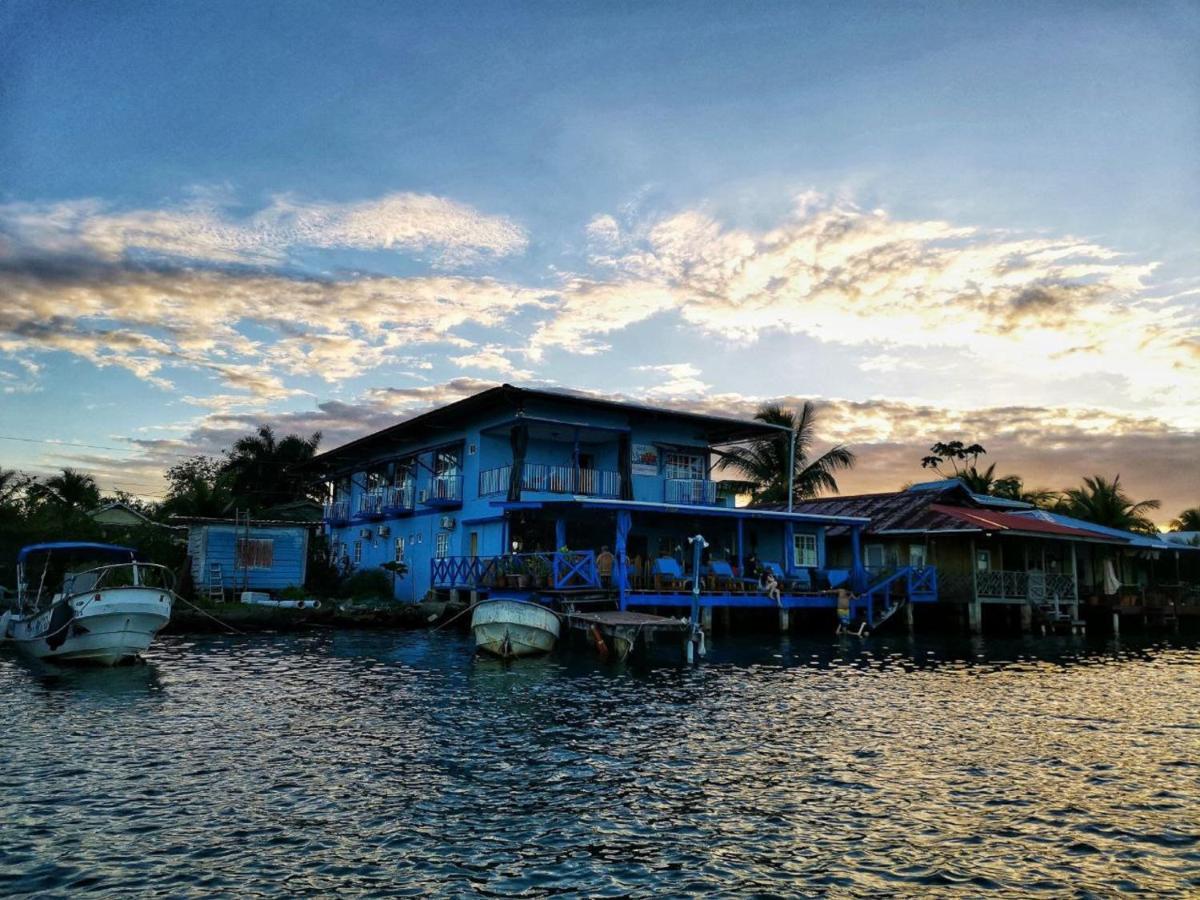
x=619 y=631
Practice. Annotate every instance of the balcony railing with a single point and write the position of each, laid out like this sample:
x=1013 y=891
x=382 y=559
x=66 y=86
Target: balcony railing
x=1034 y=586
x=553 y=480
x=561 y=571
x=389 y=501
x=443 y=490
x=337 y=512
x=690 y=492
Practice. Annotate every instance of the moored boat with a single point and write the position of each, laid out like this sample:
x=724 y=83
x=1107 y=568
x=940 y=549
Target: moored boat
x=102 y=613
x=509 y=628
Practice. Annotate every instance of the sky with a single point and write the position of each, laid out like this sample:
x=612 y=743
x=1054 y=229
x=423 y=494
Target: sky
x=936 y=221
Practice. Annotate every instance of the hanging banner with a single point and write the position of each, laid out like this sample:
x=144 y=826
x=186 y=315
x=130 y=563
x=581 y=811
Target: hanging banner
x=645 y=459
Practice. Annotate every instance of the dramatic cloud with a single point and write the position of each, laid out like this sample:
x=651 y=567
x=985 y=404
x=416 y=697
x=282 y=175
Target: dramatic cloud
x=454 y=233
x=146 y=319
x=1055 y=308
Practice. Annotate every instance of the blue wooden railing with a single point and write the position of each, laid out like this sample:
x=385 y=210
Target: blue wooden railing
x=560 y=571
x=690 y=492
x=912 y=584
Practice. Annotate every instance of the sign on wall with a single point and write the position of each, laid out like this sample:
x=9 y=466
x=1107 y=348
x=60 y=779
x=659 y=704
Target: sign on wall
x=645 y=459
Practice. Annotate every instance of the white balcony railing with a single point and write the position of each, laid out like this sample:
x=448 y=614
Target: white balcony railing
x=553 y=480
x=690 y=492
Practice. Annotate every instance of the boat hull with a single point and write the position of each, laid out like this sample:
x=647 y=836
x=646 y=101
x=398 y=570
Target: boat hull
x=513 y=628
x=103 y=628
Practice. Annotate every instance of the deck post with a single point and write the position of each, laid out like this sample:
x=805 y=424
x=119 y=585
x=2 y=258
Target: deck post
x=785 y=620
x=908 y=614
x=1116 y=623
x=1074 y=587
x=741 y=566
x=698 y=544
x=1026 y=618
x=706 y=619
x=974 y=607
x=858 y=573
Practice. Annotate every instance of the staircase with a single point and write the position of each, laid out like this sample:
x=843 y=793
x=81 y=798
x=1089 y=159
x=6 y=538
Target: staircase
x=882 y=600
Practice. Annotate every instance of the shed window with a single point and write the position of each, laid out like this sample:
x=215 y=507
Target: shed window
x=683 y=466
x=255 y=553
x=805 y=546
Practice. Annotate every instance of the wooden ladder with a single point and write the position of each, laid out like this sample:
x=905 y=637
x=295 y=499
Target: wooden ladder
x=216 y=583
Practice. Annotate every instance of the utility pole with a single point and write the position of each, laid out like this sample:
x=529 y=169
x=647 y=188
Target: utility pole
x=792 y=466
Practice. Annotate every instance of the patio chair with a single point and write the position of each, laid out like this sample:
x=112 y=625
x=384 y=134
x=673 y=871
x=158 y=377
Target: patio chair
x=723 y=577
x=668 y=575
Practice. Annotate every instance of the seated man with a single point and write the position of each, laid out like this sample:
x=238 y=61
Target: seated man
x=604 y=567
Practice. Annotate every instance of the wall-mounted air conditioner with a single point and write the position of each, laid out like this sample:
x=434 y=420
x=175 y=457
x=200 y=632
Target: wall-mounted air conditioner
x=384 y=531
x=448 y=522
x=365 y=534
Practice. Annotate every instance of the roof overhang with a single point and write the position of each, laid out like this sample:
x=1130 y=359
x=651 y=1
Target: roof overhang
x=725 y=512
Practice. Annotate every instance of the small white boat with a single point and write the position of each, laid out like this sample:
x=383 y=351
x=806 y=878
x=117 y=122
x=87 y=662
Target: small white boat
x=102 y=614
x=511 y=628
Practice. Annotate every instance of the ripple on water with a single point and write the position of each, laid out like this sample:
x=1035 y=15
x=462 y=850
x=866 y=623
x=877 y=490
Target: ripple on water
x=373 y=763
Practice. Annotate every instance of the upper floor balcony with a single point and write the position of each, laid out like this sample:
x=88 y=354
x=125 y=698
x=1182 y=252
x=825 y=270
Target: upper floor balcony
x=442 y=490
x=690 y=492
x=539 y=477
x=337 y=512
x=381 y=503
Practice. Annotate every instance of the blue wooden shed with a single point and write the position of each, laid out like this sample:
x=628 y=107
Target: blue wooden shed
x=259 y=555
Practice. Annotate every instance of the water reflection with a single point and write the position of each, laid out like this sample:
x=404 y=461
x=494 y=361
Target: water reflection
x=375 y=762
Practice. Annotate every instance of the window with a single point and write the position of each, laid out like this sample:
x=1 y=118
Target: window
x=442 y=548
x=873 y=556
x=357 y=552
x=916 y=555
x=446 y=461
x=255 y=553
x=805 y=547
x=683 y=466
x=399 y=549
x=983 y=560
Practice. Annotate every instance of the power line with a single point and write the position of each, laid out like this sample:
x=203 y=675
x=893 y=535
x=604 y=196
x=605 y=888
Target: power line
x=25 y=440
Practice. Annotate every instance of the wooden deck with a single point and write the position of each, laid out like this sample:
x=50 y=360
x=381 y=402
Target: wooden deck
x=620 y=631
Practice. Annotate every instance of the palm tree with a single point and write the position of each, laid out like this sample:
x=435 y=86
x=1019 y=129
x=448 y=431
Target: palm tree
x=264 y=472
x=71 y=489
x=764 y=462
x=11 y=484
x=1105 y=502
x=1189 y=520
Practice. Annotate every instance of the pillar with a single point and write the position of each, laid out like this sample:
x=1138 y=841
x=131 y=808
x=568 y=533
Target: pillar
x=1026 y=618
x=706 y=618
x=1116 y=624
x=785 y=621
x=908 y=615
x=975 y=616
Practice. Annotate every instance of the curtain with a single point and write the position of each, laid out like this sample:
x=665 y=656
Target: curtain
x=560 y=533
x=624 y=524
x=519 y=439
x=625 y=466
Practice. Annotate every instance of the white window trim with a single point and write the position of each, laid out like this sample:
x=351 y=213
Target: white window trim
x=805 y=552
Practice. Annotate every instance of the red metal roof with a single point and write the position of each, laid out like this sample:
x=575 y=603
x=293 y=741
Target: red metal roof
x=990 y=520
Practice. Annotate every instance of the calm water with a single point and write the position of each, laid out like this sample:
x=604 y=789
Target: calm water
x=384 y=763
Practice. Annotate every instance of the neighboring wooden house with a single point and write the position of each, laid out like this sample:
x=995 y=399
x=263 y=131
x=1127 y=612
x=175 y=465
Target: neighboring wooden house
x=120 y=515
x=261 y=555
x=994 y=552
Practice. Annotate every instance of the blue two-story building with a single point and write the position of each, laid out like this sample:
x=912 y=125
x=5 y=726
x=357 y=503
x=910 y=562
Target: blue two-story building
x=515 y=489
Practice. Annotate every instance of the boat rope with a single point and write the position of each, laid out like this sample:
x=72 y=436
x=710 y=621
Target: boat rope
x=205 y=612
x=457 y=615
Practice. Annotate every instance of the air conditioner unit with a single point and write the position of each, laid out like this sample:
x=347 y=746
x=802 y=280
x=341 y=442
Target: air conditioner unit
x=448 y=522
x=422 y=496
x=384 y=531
x=365 y=534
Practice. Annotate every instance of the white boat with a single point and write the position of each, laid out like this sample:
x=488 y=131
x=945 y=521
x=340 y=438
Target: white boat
x=512 y=628
x=98 y=614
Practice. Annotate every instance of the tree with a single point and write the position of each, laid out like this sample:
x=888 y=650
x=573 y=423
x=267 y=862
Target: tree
x=264 y=472
x=12 y=484
x=764 y=462
x=1105 y=502
x=1189 y=520
x=70 y=489
x=198 y=487
x=964 y=462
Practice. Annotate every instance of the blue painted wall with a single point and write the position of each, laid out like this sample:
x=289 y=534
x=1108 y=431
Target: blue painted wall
x=209 y=543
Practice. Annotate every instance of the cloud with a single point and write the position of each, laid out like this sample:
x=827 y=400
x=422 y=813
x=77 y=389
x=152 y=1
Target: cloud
x=454 y=233
x=1055 y=308
x=492 y=357
x=677 y=379
x=147 y=319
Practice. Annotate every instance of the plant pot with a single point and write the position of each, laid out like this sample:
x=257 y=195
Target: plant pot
x=523 y=581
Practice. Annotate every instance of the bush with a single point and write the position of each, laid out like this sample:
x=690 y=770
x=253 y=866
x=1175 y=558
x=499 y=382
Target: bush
x=366 y=584
x=293 y=592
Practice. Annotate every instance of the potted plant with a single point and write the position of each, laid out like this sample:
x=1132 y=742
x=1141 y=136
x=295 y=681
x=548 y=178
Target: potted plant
x=538 y=570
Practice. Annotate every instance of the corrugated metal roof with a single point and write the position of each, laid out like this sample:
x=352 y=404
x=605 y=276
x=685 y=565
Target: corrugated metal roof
x=1138 y=540
x=993 y=520
x=892 y=511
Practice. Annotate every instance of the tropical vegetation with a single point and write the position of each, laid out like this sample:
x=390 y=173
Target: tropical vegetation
x=1104 y=502
x=763 y=463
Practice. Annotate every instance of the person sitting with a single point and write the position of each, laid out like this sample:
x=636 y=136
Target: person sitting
x=771 y=586
x=604 y=567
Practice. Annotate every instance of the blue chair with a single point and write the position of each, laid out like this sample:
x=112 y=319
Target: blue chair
x=722 y=572
x=837 y=578
x=666 y=570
